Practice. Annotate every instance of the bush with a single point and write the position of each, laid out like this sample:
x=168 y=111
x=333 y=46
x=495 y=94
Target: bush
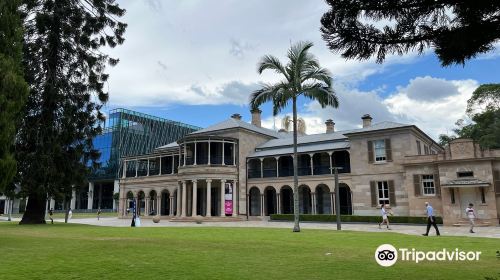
x=353 y=219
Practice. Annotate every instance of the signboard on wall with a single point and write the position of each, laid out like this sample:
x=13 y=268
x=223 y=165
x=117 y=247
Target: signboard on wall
x=228 y=197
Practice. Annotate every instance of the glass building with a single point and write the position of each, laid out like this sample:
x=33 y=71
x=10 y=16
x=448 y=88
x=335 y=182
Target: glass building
x=126 y=133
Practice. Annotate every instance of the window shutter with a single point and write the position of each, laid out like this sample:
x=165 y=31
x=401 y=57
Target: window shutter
x=416 y=184
x=437 y=185
x=496 y=181
x=392 y=193
x=388 y=150
x=370 y=152
x=373 y=188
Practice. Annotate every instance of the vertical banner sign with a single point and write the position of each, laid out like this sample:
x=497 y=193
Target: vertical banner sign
x=228 y=197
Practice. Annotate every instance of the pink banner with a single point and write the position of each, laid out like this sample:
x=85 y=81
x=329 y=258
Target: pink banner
x=228 y=207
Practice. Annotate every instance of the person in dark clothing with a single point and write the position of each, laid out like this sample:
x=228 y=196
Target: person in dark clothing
x=51 y=212
x=431 y=220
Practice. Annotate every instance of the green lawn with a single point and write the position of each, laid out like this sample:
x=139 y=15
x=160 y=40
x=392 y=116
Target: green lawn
x=69 y=251
x=75 y=215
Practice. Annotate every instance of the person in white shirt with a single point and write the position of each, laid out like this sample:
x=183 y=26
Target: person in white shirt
x=384 y=212
x=471 y=214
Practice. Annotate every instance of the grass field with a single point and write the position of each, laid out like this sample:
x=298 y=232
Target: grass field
x=70 y=251
x=75 y=215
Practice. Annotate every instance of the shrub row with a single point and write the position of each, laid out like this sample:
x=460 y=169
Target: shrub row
x=354 y=219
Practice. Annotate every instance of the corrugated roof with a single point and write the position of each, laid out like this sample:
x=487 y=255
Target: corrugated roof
x=303 y=149
x=312 y=138
x=377 y=126
x=171 y=145
x=234 y=123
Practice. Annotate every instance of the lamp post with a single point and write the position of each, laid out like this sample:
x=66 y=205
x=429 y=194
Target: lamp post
x=337 y=198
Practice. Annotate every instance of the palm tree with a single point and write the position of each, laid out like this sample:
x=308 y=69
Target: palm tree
x=302 y=76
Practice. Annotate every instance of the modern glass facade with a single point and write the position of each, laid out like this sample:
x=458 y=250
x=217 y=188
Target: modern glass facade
x=129 y=133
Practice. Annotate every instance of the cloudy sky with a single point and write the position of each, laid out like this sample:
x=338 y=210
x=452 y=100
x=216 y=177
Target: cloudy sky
x=195 y=61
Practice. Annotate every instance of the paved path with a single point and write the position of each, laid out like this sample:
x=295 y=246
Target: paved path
x=493 y=232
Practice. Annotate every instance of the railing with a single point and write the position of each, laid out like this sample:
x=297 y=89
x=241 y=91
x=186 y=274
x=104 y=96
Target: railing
x=269 y=172
x=285 y=172
x=321 y=170
x=304 y=171
x=253 y=173
x=130 y=173
x=154 y=171
x=142 y=172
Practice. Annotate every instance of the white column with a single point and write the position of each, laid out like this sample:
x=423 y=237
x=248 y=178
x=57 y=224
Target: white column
x=195 y=198
x=173 y=164
x=313 y=202
x=331 y=166
x=158 y=203
x=171 y=208
x=209 y=152
x=234 y=154
x=124 y=171
x=146 y=205
x=184 y=201
x=278 y=204
x=147 y=171
x=90 y=200
x=178 y=200
x=209 y=198
x=223 y=162
x=222 y=200
x=73 y=199
x=262 y=205
x=332 y=199
x=235 y=198
x=136 y=167
x=116 y=189
x=159 y=170
x=312 y=167
x=277 y=166
x=185 y=153
x=195 y=152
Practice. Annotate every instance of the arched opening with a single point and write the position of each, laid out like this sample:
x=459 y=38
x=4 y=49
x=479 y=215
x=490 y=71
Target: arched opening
x=304 y=164
x=269 y=167
x=254 y=201
x=254 y=168
x=285 y=166
x=141 y=203
x=323 y=200
x=305 y=201
x=270 y=201
x=342 y=159
x=345 y=199
x=152 y=203
x=165 y=203
x=321 y=162
x=286 y=195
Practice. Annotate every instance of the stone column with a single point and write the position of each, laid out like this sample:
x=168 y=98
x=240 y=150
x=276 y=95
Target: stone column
x=331 y=165
x=208 y=151
x=209 y=198
x=158 y=203
x=90 y=200
x=235 y=198
x=222 y=200
x=313 y=200
x=147 y=200
x=116 y=189
x=278 y=204
x=223 y=161
x=173 y=164
x=312 y=163
x=73 y=199
x=184 y=200
x=195 y=152
x=262 y=208
x=234 y=154
x=262 y=168
x=332 y=199
x=195 y=198
x=178 y=200
x=124 y=171
x=277 y=166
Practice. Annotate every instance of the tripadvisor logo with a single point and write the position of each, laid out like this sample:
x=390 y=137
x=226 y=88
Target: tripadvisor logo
x=387 y=255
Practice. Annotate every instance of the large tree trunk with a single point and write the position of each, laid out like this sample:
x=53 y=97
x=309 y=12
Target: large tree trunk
x=35 y=210
x=296 y=226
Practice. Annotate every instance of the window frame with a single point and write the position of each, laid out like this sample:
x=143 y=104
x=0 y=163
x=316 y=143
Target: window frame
x=379 y=158
x=428 y=183
x=384 y=187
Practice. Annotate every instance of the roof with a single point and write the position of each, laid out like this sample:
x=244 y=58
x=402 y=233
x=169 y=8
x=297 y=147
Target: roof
x=378 y=126
x=303 y=139
x=338 y=145
x=235 y=123
x=466 y=182
x=171 y=145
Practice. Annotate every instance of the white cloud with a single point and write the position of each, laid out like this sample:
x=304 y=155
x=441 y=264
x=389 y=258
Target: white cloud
x=429 y=88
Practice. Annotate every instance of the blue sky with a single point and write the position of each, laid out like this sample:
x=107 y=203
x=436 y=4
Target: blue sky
x=195 y=61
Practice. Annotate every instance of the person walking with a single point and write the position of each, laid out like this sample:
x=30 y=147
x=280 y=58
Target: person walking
x=51 y=212
x=471 y=214
x=431 y=220
x=384 y=212
x=98 y=213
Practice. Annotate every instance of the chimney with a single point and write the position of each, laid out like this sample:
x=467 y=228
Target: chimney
x=330 y=126
x=367 y=120
x=256 y=117
x=236 y=116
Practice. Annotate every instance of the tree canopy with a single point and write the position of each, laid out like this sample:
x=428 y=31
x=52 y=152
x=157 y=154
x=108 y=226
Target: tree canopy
x=456 y=30
x=64 y=67
x=13 y=88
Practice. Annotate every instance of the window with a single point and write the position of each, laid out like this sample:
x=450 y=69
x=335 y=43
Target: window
x=465 y=174
x=380 y=155
x=426 y=149
x=483 y=197
x=419 y=149
x=452 y=195
x=383 y=192
x=428 y=185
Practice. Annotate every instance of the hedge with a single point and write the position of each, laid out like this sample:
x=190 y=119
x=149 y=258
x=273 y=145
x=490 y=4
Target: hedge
x=353 y=219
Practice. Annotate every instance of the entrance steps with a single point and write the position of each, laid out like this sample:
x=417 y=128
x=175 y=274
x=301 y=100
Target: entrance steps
x=477 y=222
x=201 y=219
